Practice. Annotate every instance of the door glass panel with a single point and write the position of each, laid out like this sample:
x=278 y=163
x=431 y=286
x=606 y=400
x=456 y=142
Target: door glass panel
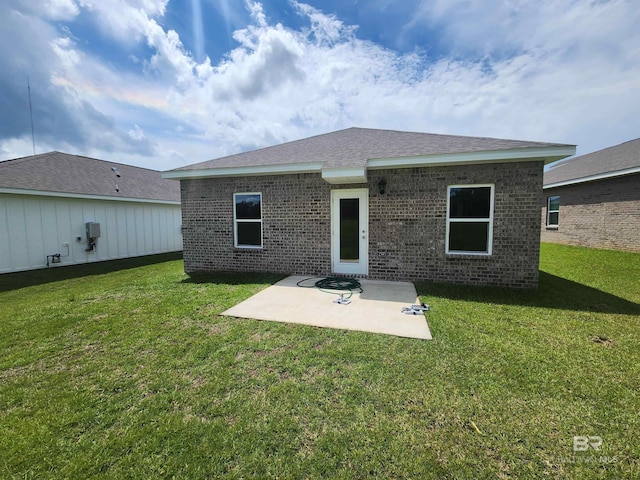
x=349 y=229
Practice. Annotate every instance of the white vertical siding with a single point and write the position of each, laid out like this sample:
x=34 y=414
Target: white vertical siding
x=17 y=251
x=111 y=232
x=5 y=245
x=148 y=229
x=32 y=227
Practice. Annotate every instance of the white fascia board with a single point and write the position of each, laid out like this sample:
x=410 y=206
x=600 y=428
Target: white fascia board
x=251 y=171
x=44 y=193
x=591 y=178
x=344 y=175
x=548 y=154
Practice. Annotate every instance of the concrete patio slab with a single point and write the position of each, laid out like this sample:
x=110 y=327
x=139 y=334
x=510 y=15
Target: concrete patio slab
x=377 y=309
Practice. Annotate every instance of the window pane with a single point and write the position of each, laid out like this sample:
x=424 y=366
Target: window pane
x=248 y=207
x=469 y=236
x=470 y=202
x=250 y=233
x=349 y=225
x=554 y=203
x=553 y=218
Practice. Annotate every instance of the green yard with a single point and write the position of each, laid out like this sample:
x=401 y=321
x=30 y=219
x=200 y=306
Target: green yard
x=125 y=370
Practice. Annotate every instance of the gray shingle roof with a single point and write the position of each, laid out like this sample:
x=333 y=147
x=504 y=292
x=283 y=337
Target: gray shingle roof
x=354 y=146
x=73 y=174
x=607 y=161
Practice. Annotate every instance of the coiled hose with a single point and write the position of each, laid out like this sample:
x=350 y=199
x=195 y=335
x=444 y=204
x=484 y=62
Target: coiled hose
x=333 y=285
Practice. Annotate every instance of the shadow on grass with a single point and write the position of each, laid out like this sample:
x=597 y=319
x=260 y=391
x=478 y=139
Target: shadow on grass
x=14 y=281
x=233 y=278
x=553 y=292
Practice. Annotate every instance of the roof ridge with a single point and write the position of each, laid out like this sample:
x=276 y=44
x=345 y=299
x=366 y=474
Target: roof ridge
x=628 y=141
x=85 y=157
x=265 y=148
x=618 y=145
x=565 y=161
x=451 y=135
x=26 y=157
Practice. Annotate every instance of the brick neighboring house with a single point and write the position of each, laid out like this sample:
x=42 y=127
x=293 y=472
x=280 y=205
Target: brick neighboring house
x=594 y=200
x=371 y=203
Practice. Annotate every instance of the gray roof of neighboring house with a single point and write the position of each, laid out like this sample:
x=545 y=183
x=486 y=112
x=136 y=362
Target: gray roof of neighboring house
x=601 y=164
x=73 y=174
x=352 y=147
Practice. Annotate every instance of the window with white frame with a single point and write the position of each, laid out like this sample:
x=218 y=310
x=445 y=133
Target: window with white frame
x=247 y=220
x=470 y=219
x=553 y=211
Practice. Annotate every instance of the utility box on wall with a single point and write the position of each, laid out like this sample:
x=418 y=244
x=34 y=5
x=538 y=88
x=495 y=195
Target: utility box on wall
x=93 y=233
x=93 y=230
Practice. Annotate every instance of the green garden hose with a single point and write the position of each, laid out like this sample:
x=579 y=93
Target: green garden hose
x=333 y=285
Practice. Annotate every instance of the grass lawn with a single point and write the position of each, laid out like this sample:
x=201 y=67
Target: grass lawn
x=126 y=370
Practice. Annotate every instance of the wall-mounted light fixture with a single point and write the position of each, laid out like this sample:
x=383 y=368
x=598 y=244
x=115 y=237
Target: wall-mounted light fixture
x=382 y=185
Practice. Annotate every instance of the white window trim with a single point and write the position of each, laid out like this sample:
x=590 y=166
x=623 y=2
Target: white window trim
x=461 y=220
x=549 y=211
x=236 y=221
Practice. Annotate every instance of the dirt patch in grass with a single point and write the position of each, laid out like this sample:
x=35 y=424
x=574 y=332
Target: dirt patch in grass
x=602 y=340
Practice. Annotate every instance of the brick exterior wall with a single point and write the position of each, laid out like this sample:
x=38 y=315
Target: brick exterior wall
x=598 y=214
x=407 y=225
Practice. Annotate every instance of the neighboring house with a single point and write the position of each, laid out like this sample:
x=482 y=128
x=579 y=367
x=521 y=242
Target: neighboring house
x=47 y=200
x=594 y=200
x=376 y=203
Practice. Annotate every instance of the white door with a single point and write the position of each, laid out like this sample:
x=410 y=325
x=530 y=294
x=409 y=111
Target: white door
x=349 y=231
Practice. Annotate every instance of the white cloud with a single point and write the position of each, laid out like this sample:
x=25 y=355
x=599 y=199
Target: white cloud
x=60 y=9
x=136 y=133
x=63 y=48
x=504 y=28
x=125 y=21
x=325 y=29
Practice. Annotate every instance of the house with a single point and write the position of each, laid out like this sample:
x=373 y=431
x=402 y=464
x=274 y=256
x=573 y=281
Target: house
x=371 y=203
x=594 y=200
x=60 y=209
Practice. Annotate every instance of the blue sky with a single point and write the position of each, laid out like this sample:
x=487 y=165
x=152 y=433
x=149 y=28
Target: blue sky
x=164 y=83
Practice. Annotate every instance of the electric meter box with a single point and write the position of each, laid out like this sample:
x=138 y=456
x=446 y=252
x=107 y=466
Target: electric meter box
x=93 y=230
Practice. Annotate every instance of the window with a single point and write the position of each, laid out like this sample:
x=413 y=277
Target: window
x=553 y=211
x=247 y=220
x=470 y=219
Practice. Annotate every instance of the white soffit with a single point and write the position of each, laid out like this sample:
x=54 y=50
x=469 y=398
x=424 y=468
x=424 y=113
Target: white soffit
x=345 y=175
x=250 y=171
x=548 y=154
x=46 y=193
x=591 y=178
